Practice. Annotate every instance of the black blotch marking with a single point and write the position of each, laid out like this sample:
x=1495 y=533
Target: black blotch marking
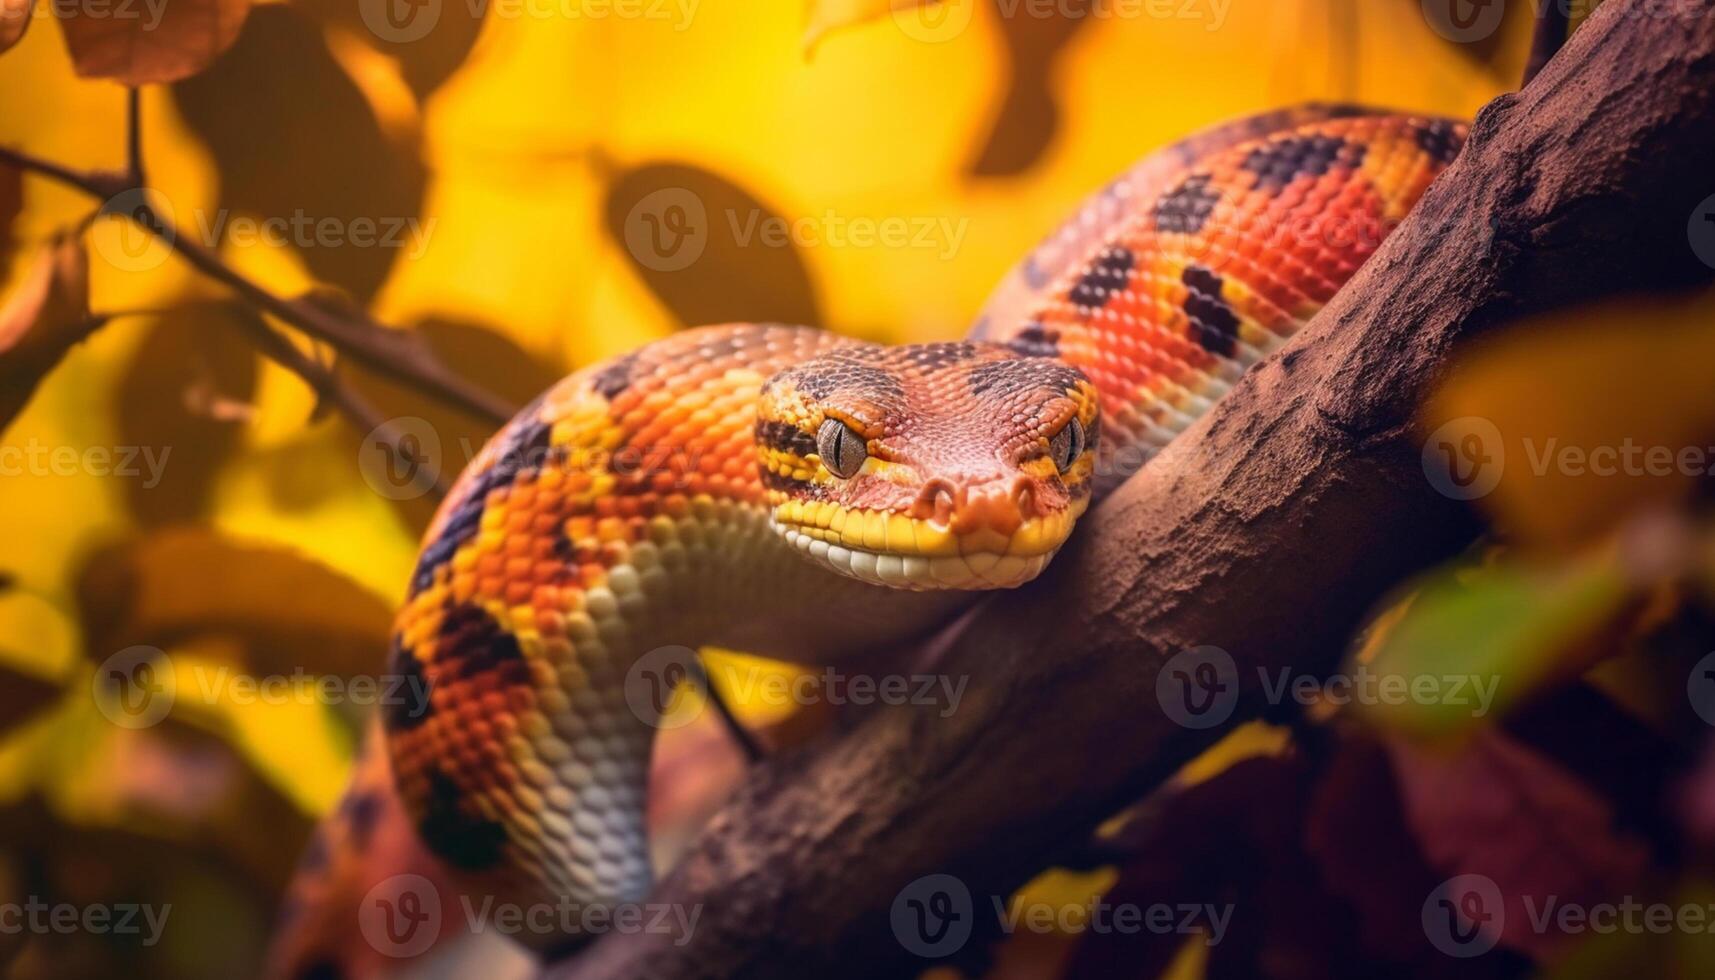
x=1279 y=162
x=525 y=448
x=1006 y=377
x=1214 y=325
x=933 y=357
x=1107 y=275
x=1440 y=139
x=843 y=374
x=322 y=969
x=615 y=377
x=473 y=642
x=408 y=707
x=463 y=841
x=360 y=810
x=1036 y=340
x=784 y=437
x=1186 y=208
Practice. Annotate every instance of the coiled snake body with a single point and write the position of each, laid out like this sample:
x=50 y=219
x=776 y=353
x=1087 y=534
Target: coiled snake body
x=805 y=496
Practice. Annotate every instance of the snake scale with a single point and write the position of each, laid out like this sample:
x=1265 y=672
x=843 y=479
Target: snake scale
x=807 y=496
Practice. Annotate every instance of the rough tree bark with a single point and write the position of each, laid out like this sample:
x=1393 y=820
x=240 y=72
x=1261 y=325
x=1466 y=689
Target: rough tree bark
x=1267 y=530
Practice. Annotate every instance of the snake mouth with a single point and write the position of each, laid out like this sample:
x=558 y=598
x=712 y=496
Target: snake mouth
x=907 y=553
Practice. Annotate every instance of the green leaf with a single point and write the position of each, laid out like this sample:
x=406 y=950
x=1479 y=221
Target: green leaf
x=1509 y=627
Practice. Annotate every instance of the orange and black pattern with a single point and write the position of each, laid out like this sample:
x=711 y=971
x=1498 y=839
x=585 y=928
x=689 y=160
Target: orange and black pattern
x=670 y=497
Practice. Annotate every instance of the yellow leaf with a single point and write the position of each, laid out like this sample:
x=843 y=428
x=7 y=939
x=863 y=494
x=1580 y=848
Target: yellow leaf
x=291 y=613
x=160 y=44
x=1562 y=425
x=43 y=318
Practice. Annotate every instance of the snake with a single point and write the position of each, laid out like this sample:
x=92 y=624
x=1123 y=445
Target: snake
x=809 y=496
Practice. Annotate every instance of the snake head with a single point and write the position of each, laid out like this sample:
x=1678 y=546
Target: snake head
x=928 y=466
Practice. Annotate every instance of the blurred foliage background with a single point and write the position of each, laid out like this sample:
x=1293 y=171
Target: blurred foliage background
x=513 y=148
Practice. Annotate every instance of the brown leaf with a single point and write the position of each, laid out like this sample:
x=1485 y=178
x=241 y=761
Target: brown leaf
x=43 y=318
x=22 y=695
x=160 y=43
x=483 y=355
x=11 y=202
x=296 y=143
x=173 y=395
x=1503 y=811
x=288 y=612
x=14 y=18
x=709 y=249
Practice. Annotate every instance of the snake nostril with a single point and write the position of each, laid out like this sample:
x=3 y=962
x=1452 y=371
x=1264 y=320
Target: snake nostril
x=1024 y=496
x=937 y=501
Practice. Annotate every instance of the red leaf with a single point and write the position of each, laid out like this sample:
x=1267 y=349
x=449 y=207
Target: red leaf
x=158 y=42
x=1500 y=810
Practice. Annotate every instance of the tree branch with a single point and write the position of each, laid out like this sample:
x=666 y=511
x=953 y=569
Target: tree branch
x=394 y=353
x=1268 y=530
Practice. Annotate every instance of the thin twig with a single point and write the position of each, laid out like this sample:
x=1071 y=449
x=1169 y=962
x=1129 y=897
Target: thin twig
x=334 y=391
x=394 y=353
x=753 y=751
x=1552 y=20
x=134 y=138
x=95 y=183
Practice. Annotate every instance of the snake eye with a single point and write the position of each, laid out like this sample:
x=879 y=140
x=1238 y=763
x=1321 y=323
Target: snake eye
x=1067 y=445
x=841 y=448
